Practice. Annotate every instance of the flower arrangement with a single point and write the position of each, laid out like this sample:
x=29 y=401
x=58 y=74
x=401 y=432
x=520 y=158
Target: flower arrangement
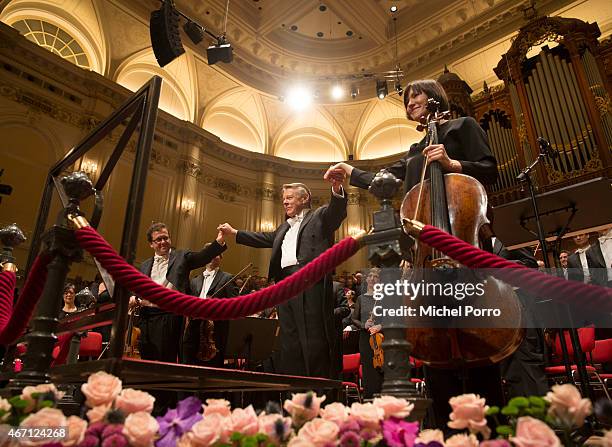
x=118 y=417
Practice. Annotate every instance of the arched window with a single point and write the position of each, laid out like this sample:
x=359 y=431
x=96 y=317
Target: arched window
x=53 y=39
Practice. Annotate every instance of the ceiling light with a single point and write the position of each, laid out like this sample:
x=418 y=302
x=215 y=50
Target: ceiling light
x=399 y=89
x=194 y=31
x=299 y=98
x=393 y=8
x=381 y=88
x=337 y=92
x=221 y=51
x=354 y=92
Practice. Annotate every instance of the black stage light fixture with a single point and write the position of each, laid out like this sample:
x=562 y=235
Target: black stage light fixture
x=165 y=37
x=194 y=31
x=382 y=89
x=222 y=51
x=399 y=89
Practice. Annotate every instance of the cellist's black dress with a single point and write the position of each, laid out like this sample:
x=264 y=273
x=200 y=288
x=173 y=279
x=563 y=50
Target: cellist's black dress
x=464 y=141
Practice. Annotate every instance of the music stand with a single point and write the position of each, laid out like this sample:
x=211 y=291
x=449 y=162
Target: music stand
x=573 y=208
x=251 y=338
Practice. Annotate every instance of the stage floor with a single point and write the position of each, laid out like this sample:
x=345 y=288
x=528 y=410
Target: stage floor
x=146 y=374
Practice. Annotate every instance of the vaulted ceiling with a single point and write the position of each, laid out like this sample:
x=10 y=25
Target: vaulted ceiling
x=319 y=43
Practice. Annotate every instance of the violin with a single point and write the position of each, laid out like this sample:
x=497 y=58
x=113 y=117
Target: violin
x=378 y=357
x=132 y=337
x=456 y=203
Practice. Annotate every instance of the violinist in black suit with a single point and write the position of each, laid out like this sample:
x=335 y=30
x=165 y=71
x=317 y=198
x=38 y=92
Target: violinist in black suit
x=196 y=348
x=161 y=331
x=309 y=342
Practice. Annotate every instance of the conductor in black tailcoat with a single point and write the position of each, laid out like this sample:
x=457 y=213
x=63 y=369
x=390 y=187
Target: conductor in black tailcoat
x=161 y=331
x=213 y=282
x=309 y=342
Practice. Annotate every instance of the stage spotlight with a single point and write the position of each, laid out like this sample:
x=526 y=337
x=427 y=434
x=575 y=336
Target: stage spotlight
x=399 y=89
x=337 y=92
x=382 y=89
x=354 y=92
x=393 y=8
x=222 y=51
x=165 y=37
x=299 y=98
x=194 y=31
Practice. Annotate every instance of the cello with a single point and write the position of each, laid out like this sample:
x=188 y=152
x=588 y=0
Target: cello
x=456 y=203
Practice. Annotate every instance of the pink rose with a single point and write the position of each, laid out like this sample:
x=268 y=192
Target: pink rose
x=269 y=424
x=5 y=407
x=245 y=421
x=296 y=441
x=335 y=412
x=392 y=406
x=599 y=441
x=185 y=441
x=133 y=401
x=47 y=417
x=427 y=436
x=319 y=432
x=101 y=388
x=5 y=441
x=26 y=394
x=469 y=412
x=303 y=407
x=368 y=415
x=96 y=414
x=213 y=428
x=532 y=432
x=568 y=406
x=140 y=429
x=76 y=428
x=220 y=406
x=462 y=440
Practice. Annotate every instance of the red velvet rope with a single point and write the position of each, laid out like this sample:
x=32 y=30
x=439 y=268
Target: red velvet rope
x=28 y=298
x=7 y=291
x=531 y=280
x=213 y=308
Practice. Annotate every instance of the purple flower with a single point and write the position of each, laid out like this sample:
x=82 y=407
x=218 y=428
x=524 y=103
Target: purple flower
x=111 y=429
x=96 y=429
x=399 y=433
x=351 y=425
x=350 y=439
x=178 y=421
x=115 y=440
x=90 y=441
x=429 y=444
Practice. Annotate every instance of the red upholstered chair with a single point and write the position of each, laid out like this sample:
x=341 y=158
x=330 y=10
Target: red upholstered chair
x=91 y=345
x=556 y=373
x=603 y=354
x=351 y=366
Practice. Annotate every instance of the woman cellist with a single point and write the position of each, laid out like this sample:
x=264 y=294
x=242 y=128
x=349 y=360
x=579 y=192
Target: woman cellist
x=462 y=147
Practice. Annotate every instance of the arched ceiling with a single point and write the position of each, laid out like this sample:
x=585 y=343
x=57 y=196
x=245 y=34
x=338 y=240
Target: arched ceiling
x=354 y=40
x=319 y=43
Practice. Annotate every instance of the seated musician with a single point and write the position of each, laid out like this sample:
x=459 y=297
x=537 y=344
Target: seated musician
x=204 y=343
x=367 y=327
